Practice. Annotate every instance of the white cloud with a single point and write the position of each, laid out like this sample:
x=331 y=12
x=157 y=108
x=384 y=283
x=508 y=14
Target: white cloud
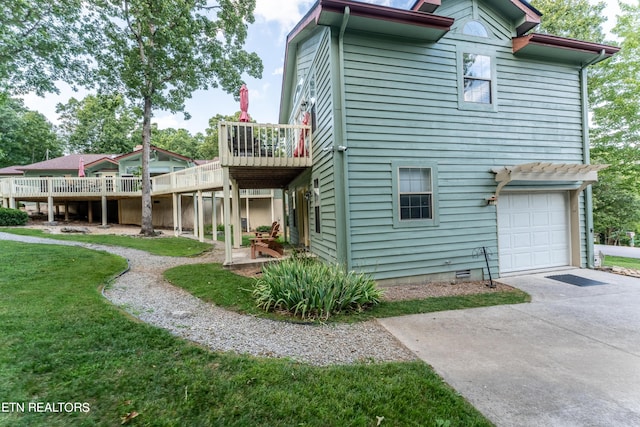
x=285 y=13
x=166 y=121
x=278 y=71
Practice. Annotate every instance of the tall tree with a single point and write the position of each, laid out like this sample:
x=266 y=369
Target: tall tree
x=177 y=140
x=616 y=112
x=25 y=136
x=98 y=124
x=158 y=52
x=577 y=19
x=40 y=43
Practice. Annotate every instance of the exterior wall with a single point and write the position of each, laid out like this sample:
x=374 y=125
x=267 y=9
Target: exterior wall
x=259 y=211
x=52 y=173
x=316 y=59
x=133 y=165
x=403 y=106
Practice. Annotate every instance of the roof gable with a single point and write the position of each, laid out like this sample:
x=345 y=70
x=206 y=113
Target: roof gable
x=11 y=170
x=138 y=153
x=525 y=16
x=65 y=163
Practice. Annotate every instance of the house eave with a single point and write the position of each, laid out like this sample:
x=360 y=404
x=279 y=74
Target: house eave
x=561 y=49
x=364 y=17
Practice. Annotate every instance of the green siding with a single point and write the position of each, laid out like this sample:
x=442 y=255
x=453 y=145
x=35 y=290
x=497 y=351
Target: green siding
x=315 y=60
x=402 y=104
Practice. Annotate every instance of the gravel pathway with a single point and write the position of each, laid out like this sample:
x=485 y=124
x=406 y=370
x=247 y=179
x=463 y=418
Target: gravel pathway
x=144 y=293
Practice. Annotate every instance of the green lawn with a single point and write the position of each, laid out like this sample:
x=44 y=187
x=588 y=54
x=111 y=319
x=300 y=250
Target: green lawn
x=62 y=341
x=617 y=261
x=165 y=246
x=213 y=283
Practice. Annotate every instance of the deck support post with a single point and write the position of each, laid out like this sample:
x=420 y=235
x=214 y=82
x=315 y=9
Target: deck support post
x=66 y=210
x=90 y=211
x=103 y=202
x=174 y=208
x=214 y=215
x=228 y=250
x=200 y=216
x=247 y=212
x=237 y=224
x=51 y=217
x=195 y=214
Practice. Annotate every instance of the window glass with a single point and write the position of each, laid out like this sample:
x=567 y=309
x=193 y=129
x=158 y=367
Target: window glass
x=415 y=193
x=475 y=28
x=477 y=78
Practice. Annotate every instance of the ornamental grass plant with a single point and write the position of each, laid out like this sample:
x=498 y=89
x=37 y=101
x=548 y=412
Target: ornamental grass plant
x=311 y=289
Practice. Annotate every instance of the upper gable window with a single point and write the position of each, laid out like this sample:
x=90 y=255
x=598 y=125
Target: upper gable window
x=475 y=28
x=477 y=78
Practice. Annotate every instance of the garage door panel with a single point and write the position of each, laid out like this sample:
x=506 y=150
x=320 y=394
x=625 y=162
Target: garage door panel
x=533 y=231
x=541 y=219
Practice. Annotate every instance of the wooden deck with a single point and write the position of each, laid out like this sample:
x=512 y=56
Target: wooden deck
x=258 y=156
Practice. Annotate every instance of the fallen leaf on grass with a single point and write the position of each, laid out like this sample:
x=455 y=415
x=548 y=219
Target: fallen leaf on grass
x=129 y=417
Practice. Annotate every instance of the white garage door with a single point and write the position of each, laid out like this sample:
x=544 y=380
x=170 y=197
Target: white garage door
x=533 y=231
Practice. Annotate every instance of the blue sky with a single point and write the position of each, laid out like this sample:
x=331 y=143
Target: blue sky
x=273 y=21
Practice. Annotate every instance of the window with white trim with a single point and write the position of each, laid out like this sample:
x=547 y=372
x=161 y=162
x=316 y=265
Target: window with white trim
x=415 y=194
x=477 y=77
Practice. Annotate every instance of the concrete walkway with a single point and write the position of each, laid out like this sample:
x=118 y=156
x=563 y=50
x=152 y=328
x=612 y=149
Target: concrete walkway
x=569 y=358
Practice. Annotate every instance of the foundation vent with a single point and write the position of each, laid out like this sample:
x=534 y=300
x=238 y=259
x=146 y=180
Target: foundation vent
x=463 y=274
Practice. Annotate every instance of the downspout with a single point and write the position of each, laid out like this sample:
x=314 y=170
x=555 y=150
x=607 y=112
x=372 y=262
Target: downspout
x=586 y=157
x=341 y=150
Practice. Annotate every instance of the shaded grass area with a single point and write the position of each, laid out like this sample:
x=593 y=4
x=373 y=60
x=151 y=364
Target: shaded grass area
x=164 y=246
x=62 y=342
x=213 y=283
x=618 y=261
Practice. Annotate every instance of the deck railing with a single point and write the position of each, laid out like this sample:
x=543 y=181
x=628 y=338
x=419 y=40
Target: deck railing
x=70 y=186
x=257 y=144
x=203 y=177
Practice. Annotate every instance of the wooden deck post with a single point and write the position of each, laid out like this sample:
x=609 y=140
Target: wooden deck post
x=237 y=224
x=200 y=216
x=104 y=210
x=174 y=206
x=195 y=214
x=90 y=211
x=179 y=214
x=228 y=250
x=51 y=217
x=214 y=215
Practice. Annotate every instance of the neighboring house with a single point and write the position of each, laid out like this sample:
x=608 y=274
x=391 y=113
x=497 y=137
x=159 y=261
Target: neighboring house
x=10 y=171
x=435 y=135
x=122 y=204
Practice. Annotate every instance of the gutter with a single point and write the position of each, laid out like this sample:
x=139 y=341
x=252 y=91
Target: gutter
x=586 y=157
x=341 y=150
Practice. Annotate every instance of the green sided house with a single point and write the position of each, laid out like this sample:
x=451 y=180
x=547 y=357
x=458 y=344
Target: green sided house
x=439 y=131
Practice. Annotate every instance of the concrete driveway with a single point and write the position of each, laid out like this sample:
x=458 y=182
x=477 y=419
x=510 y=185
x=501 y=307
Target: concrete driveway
x=569 y=358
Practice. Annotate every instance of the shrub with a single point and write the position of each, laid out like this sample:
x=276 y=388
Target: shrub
x=309 y=288
x=263 y=228
x=13 y=217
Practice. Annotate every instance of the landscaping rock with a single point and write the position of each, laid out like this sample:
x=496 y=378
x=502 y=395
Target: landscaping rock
x=69 y=229
x=181 y=314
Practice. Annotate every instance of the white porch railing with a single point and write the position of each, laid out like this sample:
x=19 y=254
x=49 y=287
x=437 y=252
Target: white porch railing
x=270 y=145
x=203 y=177
x=17 y=187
